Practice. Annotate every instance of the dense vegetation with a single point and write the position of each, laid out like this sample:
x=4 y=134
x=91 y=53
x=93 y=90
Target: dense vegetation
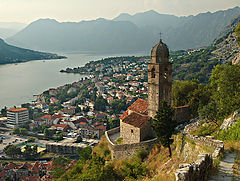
x=95 y=165
x=197 y=65
x=12 y=54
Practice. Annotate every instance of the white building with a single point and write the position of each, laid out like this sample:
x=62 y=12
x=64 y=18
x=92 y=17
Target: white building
x=17 y=116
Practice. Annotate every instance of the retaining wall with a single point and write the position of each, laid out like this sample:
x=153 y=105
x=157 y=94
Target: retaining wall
x=199 y=170
x=125 y=151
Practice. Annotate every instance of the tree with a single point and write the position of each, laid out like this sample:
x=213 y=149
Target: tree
x=31 y=139
x=4 y=111
x=23 y=131
x=100 y=104
x=16 y=131
x=12 y=151
x=79 y=139
x=47 y=133
x=84 y=153
x=59 y=136
x=210 y=112
x=30 y=151
x=225 y=86
x=163 y=125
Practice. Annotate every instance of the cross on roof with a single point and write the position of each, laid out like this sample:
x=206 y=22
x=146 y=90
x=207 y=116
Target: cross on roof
x=160 y=34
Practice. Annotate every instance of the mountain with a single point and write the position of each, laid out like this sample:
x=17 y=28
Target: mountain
x=98 y=35
x=8 y=29
x=125 y=33
x=12 y=54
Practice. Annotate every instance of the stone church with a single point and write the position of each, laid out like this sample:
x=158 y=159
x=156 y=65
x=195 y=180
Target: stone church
x=135 y=123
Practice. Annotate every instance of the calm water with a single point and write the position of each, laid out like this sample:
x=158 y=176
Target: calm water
x=18 y=83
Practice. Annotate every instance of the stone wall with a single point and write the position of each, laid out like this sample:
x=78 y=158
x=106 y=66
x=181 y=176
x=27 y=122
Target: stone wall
x=196 y=171
x=126 y=151
x=129 y=133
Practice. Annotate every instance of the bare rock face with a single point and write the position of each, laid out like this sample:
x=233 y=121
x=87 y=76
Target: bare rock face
x=229 y=122
x=236 y=60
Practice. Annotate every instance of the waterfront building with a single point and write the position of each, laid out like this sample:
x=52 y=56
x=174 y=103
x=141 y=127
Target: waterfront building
x=17 y=116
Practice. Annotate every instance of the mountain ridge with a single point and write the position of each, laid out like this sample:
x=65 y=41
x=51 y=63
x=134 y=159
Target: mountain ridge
x=125 y=33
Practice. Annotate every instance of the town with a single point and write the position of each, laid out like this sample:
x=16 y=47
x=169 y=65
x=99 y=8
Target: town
x=70 y=117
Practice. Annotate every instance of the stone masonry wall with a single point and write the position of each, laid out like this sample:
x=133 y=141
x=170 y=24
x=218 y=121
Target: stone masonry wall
x=198 y=170
x=129 y=133
x=126 y=151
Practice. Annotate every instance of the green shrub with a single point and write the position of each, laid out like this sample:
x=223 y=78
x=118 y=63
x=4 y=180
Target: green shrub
x=119 y=141
x=232 y=134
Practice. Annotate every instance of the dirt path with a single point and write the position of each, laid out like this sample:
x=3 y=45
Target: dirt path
x=225 y=169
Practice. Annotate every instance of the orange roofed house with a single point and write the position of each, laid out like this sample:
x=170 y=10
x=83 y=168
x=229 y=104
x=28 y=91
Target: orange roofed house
x=135 y=123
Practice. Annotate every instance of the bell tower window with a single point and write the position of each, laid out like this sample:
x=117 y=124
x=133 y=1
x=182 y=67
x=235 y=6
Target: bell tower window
x=153 y=73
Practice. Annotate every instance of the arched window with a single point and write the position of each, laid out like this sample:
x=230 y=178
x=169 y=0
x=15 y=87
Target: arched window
x=153 y=73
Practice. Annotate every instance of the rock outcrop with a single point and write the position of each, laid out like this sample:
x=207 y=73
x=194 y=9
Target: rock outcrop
x=229 y=122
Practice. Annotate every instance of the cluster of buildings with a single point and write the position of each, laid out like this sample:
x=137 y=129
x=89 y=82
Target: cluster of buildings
x=38 y=171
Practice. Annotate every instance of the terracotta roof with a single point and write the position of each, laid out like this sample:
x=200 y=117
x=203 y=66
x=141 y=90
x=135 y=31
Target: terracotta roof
x=10 y=166
x=47 y=117
x=55 y=116
x=181 y=107
x=124 y=115
x=102 y=127
x=18 y=109
x=136 y=120
x=60 y=126
x=25 y=166
x=139 y=106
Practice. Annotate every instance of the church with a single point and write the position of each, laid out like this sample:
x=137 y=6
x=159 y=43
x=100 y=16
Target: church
x=135 y=123
x=135 y=128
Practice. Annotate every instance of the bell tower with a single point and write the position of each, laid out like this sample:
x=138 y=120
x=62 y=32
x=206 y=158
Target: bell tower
x=159 y=78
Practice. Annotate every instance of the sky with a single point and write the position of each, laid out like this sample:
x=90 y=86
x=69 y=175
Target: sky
x=27 y=11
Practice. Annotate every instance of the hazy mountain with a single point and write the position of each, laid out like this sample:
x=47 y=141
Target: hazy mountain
x=8 y=29
x=12 y=54
x=98 y=35
x=125 y=33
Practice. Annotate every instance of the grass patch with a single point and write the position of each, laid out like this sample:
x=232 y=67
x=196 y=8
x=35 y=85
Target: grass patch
x=119 y=141
x=102 y=149
x=237 y=30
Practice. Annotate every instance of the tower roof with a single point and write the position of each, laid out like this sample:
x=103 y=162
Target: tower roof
x=160 y=53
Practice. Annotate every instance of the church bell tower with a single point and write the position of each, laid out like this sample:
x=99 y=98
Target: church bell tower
x=159 y=78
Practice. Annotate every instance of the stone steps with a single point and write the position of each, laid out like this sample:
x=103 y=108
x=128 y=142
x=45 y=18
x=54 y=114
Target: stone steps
x=225 y=169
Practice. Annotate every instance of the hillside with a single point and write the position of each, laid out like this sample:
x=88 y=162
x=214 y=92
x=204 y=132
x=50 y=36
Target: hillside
x=125 y=33
x=12 y=54
x=198 y=63
x=8 y=29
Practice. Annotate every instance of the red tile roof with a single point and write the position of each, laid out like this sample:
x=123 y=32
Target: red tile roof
x=124 y=115
x=47 y=117
x=136 y=120
x=10 y=166
x=139 y=106
x=102 y=127
x=180 y=107
x=18 y=109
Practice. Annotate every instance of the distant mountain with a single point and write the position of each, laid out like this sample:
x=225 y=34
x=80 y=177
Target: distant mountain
x=125 y=33
x=8 y=29
x=12 y=54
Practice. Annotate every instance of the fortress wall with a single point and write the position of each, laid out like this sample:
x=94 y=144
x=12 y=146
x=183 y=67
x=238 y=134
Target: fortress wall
x=199 y=170
x=125 y=151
